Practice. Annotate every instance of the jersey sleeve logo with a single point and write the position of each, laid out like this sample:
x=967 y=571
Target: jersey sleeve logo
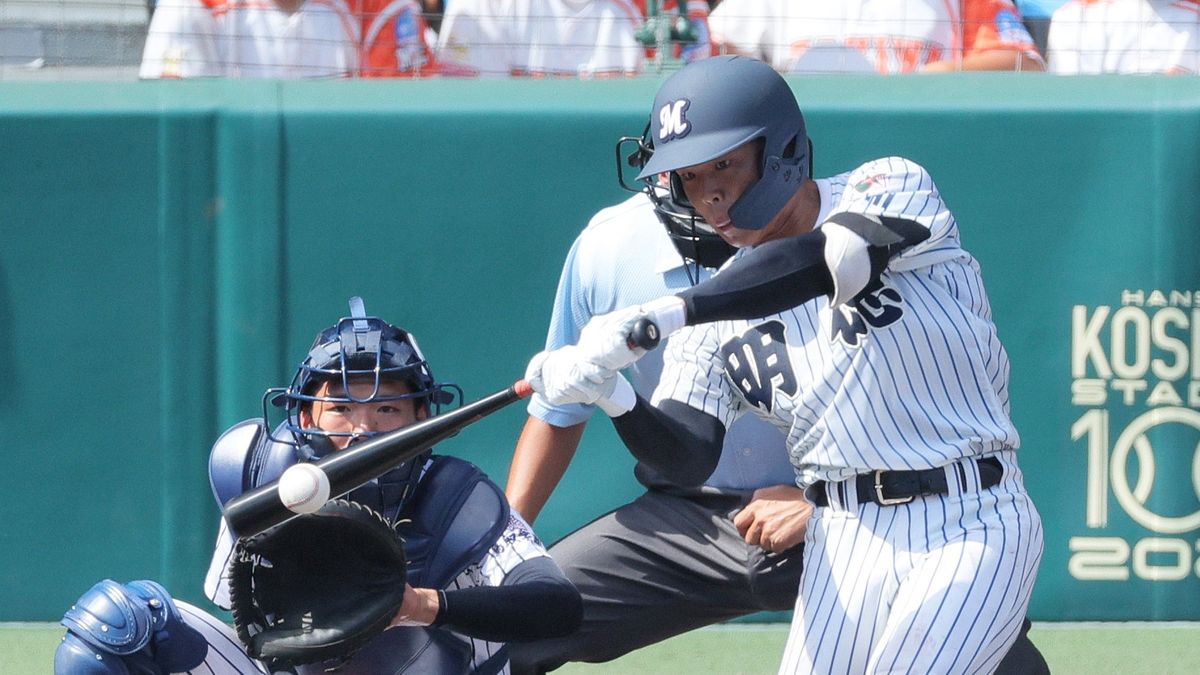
x=877 y=306
x=672 y=120
x=757 y=363
x=870 y=181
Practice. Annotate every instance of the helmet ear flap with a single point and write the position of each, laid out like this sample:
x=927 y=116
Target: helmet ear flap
x=790 y=151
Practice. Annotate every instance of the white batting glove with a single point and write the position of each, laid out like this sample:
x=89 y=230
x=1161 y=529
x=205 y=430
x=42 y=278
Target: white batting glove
x=563 y=376
x=605 y=339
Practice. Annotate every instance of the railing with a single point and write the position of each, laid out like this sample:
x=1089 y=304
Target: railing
x=128 y=39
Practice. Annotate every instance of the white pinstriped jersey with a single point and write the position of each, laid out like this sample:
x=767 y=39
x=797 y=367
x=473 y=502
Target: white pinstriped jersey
x=909 y=376
x=515 y=545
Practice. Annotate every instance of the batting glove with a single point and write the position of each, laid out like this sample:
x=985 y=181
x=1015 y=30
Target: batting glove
x=605 y=342
x=562 y=378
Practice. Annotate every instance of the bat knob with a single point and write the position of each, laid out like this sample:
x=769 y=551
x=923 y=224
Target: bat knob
x=644 y=334
x=522 y=389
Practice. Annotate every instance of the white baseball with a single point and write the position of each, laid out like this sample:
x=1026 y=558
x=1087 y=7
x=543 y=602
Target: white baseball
x=304 y=488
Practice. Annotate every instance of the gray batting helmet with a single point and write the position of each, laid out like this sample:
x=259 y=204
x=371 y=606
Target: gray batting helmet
x=715 y=105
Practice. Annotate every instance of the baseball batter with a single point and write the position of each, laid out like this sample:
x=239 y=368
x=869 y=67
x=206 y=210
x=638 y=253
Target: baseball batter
x=675 y=558
x=883 y=36
x=1125 y=36
x=854 y=321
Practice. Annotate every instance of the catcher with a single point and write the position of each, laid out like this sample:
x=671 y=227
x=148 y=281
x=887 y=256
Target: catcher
x=425 y=569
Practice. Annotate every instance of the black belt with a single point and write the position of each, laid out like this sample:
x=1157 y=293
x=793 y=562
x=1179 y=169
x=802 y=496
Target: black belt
x=889 y=488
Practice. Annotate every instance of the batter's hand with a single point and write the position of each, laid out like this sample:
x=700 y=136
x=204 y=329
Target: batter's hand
x=775 y=519
x=563 y=376
x=604 y=341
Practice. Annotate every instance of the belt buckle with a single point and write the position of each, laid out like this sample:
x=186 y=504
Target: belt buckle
x=884 y=501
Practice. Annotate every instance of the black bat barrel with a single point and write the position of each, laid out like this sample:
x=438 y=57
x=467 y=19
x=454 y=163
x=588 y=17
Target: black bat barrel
x=260 y=509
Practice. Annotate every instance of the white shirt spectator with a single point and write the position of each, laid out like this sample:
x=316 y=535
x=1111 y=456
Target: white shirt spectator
x=883 y=36
x=252 y=39
x=542 y=38
x=1125 y=36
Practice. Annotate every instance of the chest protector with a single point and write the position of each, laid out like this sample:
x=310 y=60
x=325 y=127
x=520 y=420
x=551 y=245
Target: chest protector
x=448 y=522
x=452 y=520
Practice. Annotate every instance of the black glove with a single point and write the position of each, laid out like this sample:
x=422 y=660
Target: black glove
x=317 y=587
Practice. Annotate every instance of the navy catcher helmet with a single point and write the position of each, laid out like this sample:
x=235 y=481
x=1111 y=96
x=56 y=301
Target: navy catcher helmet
x=716 y=105
x=358 y=347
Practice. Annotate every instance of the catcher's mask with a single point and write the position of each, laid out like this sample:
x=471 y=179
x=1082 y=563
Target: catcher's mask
x=364 y=349
x=716 y=105
x=357 y=347
x=692 y=236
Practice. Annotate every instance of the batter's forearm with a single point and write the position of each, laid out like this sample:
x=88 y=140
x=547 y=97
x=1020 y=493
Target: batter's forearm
x=678 y=441
x=847 y=253
x=773 y=277
x=541 y=457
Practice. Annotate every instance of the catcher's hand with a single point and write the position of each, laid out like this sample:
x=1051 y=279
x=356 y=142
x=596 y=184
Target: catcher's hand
x=317 y=587
x=420 y=608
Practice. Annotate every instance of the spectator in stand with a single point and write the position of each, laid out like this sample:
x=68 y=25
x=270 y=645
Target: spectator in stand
x=251 y=39
x=1125 y=36
x=559 y=38
x=397 y=40
x=542 y=38
x=286 y=39
x=837 y=36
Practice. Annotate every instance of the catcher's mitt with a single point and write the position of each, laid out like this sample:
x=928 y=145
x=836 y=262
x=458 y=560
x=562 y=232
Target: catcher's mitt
x=318 y=586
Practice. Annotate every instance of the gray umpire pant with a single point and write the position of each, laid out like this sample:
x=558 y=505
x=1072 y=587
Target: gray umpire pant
x=665 y=564
x=657 y=567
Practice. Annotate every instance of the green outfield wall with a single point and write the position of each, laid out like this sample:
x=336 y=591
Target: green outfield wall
x=168 y=249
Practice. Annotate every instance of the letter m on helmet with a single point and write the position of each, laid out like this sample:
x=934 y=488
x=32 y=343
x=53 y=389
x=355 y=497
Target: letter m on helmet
x=671 y=120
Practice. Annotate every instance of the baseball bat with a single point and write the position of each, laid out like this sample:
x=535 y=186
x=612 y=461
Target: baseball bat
x=261 y=508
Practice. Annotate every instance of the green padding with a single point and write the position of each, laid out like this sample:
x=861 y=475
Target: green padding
x=169 y=249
